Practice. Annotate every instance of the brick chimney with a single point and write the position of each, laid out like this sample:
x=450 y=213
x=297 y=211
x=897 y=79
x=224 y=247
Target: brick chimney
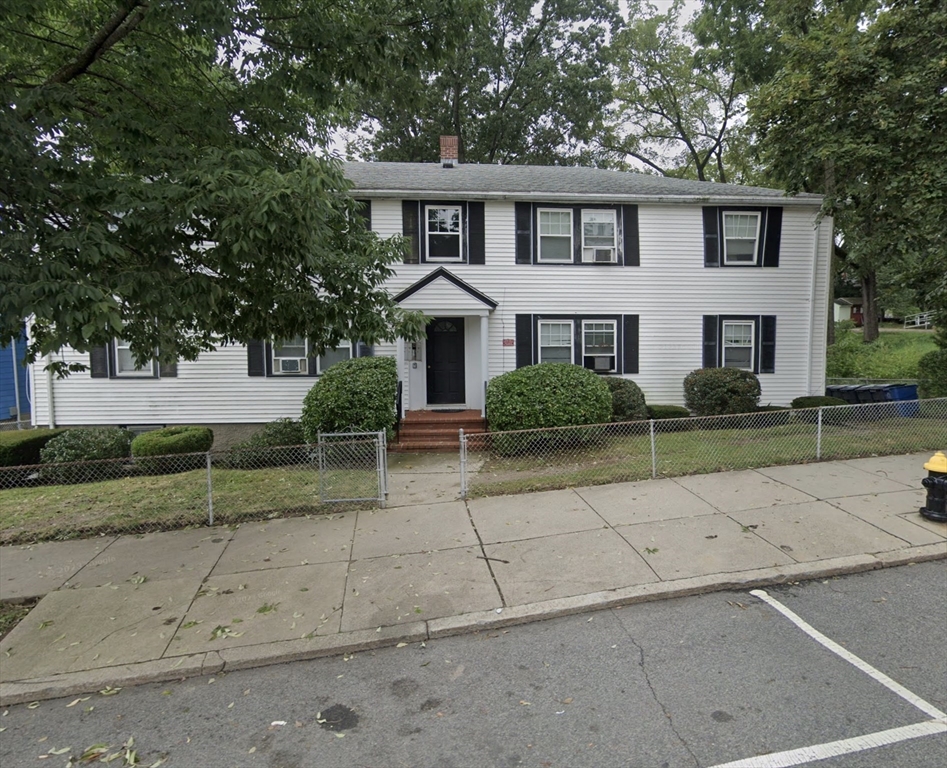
x=448 y=151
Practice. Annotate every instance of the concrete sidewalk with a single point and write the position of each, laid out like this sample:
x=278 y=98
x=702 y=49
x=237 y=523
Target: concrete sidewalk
x=122 y=610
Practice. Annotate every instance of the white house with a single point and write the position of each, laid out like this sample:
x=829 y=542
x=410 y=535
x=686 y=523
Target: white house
x=624 y=273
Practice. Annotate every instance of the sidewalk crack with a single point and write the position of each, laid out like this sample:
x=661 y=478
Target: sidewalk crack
x=484 y=555
x=654 y=695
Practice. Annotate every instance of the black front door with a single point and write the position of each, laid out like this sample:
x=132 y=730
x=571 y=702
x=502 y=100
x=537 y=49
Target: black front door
x=445 y=361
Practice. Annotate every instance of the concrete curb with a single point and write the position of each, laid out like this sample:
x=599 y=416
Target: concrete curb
x=246 y=657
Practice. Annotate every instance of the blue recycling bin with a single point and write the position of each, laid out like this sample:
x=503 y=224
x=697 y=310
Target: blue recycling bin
x=905 y=399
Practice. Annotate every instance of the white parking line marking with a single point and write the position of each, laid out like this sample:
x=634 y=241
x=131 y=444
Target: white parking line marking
x=836 y=748
x=929 y=709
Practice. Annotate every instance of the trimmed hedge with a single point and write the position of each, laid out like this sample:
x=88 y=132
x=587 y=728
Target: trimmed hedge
x=22 y=447
x=171 y=442
x=628 y=402
x=816 y=401
x=719 y=391
x=276 y=444
x=932 y=374
x=353 y=396
x=94 y=444
x=658 y=412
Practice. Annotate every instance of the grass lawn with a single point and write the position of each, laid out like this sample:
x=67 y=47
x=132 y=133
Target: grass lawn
x=893 y=356
x=165 y=502
x=12 y=614
x=621 y=459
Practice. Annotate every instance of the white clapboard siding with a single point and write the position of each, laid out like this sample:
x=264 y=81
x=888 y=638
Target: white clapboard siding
x=670 y=292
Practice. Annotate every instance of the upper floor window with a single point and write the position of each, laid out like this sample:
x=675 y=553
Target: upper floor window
x=738 y=345
x=555 y=235
x=599 y=236
x=125 y=361
x=741 y=233
x=444 y=233
x=598 y=345
x=555 y=341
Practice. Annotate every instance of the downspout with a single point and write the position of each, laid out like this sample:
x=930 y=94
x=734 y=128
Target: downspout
x=51 y=410
x=812 y=308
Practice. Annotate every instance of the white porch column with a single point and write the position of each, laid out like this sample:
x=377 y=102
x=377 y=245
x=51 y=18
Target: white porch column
x=484 y=370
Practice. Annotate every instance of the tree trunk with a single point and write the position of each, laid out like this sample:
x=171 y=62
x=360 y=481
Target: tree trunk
x=869 y=306
x=830 y=317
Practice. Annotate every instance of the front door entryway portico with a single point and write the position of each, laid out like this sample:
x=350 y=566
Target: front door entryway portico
x=445 y=361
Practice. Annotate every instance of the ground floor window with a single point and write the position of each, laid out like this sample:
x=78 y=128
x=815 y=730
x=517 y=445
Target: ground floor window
x=738 y=345
x=125 y=361
x=599 y=344
x=555 y=341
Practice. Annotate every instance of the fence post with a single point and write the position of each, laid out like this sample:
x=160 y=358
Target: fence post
x=379 y=467
x=384 y=458
x=654 y=453
x=210 y=493
x=463 y=464
x=818 y=436
x=320 y=462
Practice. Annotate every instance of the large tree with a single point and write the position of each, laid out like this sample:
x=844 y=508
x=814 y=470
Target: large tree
x=856 y=111
x=679 y=107
x=529 y=84
x=161 y=175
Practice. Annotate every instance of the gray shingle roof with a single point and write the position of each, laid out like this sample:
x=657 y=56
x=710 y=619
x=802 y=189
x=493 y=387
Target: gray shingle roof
x=431 y=180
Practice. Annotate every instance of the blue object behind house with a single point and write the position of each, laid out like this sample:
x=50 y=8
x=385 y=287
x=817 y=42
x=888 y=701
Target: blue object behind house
x=12 y=379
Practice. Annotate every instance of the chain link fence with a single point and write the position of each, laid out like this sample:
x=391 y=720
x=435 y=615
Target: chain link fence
x=159 y=493
x=543 y=459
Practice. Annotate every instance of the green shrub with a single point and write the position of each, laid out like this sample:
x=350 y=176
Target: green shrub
x=627 y=400
x=658 y=412
x=353 y=396
x=168 y=442
x=932 y=374
x=816 y=401
x=276 y=444
x=95 y=444
x=717 y=391
x=22 y=447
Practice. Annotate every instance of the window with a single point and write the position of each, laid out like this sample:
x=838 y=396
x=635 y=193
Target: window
x=125 y=361
x=332 y=356
x=738 y=345
x=599 y=237
x=555 y=235
x=444 y=242
x=598 y=345
x=740 y=236
x=291 y=357
x=555 y=341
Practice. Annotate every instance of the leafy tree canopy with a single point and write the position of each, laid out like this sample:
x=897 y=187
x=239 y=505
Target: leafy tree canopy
x=160 y=172
x=529 y=84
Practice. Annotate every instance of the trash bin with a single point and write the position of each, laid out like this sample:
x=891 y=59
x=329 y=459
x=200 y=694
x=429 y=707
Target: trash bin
x=905 y=399
x=864 y=394
x=848 y=392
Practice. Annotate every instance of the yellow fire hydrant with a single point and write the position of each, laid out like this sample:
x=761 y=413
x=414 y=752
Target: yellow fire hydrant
x=936 y=483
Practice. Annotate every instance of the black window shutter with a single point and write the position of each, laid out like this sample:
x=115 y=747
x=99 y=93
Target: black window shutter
x=630 y=234
x=711 y=237
x=168 y=370
x=256 y=358
x=366 y=213
x=774 y=230
x=711 y=356
x=524 y=233
x=410 y=227
x=524 y=340
x=630 y=343
x=99 y=362
x=768 y=344
x=312 y=364
x=364 y=350
x=476 y=243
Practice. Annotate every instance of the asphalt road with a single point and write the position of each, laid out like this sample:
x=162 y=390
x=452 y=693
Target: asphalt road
x=701 y=681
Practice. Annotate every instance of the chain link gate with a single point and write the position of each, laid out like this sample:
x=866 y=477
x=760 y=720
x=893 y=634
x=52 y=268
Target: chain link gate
x=353 y=466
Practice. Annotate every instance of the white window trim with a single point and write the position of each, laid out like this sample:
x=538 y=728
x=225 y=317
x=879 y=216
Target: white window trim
x=614 y=245
x=351 y=348
x=146 y=372
x=304 y=369
x=756 y=239
x=571 y=325
x=614 y=326
x=540 y=236
x=724 y=345
x=428 y=233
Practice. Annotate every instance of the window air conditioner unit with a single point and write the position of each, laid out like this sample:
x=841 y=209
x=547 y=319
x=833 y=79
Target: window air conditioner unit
x=293 y=365
x=600 y=255
x=603 y=362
